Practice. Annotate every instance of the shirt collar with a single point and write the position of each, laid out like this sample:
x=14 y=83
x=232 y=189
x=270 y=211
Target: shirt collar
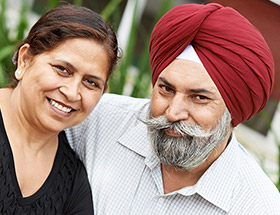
x=135 y=137
x=217 y=184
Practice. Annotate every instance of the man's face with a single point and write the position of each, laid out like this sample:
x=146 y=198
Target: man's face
x=184 y=94
x=184 y=91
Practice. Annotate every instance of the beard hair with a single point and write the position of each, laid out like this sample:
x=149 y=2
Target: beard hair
x=190 y=150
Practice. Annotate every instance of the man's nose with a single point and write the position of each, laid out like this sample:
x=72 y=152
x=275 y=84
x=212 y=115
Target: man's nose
x=177 y=109
x=71 y=90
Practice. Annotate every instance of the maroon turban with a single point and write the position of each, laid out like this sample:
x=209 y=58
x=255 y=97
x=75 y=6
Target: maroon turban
x=231 y=49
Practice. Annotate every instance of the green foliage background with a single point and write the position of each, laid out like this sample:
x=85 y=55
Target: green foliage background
x=7 y=42
x=135 y=57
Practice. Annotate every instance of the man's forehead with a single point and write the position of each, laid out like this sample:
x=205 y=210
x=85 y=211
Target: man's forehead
x=188 y=74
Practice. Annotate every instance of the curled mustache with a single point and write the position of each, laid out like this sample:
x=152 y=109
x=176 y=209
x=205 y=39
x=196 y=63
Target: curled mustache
x=190 y=150
x=161 y=123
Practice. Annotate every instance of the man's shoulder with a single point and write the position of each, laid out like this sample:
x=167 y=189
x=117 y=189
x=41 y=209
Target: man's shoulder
x=254 y=184
x=240 y=183
x=113 y=103
x=115 y=112
x=112 y=117
x=122 y=100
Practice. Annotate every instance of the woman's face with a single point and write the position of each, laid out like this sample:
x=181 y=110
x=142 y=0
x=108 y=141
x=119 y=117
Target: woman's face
x=59 y=88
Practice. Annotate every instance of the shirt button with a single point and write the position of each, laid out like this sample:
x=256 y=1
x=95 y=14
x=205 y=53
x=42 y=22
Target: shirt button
x=161 y=200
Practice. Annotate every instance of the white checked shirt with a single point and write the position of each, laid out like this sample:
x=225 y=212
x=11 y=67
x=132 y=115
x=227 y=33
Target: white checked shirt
x=126 y=178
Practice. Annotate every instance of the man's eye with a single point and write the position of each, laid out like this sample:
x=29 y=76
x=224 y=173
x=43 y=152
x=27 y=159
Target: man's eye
x=200 y=98
x=166 y=88
x=62 y=70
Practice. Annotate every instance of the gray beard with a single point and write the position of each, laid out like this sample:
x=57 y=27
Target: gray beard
x=190 y=150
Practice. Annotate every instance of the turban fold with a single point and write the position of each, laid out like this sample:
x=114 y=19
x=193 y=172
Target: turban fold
x=232 y=50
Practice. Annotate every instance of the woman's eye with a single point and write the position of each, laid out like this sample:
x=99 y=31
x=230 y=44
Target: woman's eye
x=91 y=83
x=62 y=70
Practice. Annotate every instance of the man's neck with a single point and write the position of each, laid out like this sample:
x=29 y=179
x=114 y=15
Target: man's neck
x=174 y=179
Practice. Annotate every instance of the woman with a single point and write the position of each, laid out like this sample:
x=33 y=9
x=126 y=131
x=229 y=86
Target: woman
x=62 y=70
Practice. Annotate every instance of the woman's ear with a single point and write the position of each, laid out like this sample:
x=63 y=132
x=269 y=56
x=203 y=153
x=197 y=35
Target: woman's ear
x=22 y=61
x=23 y=57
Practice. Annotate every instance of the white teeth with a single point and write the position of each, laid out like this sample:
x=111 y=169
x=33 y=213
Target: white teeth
x=60 y=107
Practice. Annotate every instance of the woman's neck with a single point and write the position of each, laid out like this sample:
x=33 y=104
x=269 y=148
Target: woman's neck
x=18 y=127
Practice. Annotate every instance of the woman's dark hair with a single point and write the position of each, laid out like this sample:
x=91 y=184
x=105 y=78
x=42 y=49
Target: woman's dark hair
x=68 y=22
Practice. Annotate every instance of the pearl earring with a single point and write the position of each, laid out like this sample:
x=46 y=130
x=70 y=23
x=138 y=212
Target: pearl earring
x=18 y=73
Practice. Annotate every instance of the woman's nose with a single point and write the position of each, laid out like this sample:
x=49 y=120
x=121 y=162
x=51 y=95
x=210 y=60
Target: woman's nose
x=71 y=90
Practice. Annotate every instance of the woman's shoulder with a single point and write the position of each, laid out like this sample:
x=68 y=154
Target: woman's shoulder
x=6 y=91
x=4 y=95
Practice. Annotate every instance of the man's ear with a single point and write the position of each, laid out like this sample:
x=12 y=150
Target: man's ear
x=23 y=57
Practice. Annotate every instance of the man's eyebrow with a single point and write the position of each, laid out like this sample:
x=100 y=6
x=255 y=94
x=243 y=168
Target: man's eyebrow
x=200 y=90
x=166 y=82
x=196 y=90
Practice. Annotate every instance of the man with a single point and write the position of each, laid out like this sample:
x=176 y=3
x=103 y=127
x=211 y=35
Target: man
x=177 y=154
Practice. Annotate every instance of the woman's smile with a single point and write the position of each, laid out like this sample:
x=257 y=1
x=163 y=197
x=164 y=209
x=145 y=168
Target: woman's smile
x=60 y=108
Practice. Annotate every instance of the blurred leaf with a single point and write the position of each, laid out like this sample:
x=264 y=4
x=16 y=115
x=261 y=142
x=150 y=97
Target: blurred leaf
x=78 y=2
x=110 y=8
x=143 y=80
x=118 y=79
x=23 y=23
x=7 y=44
x=3 y=77
x=266 y=117
x=3 y=28
x=6 y=52
x=52 y=4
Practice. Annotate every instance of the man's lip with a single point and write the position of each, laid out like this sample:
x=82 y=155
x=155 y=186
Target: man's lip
x=172 y=133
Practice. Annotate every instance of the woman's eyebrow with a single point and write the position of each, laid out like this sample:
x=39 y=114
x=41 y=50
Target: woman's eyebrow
x=72 y=67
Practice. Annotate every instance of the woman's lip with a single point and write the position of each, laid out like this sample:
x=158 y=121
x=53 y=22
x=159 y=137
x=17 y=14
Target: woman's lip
x=58 y=110
x=61 y=103
x=172 y=133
